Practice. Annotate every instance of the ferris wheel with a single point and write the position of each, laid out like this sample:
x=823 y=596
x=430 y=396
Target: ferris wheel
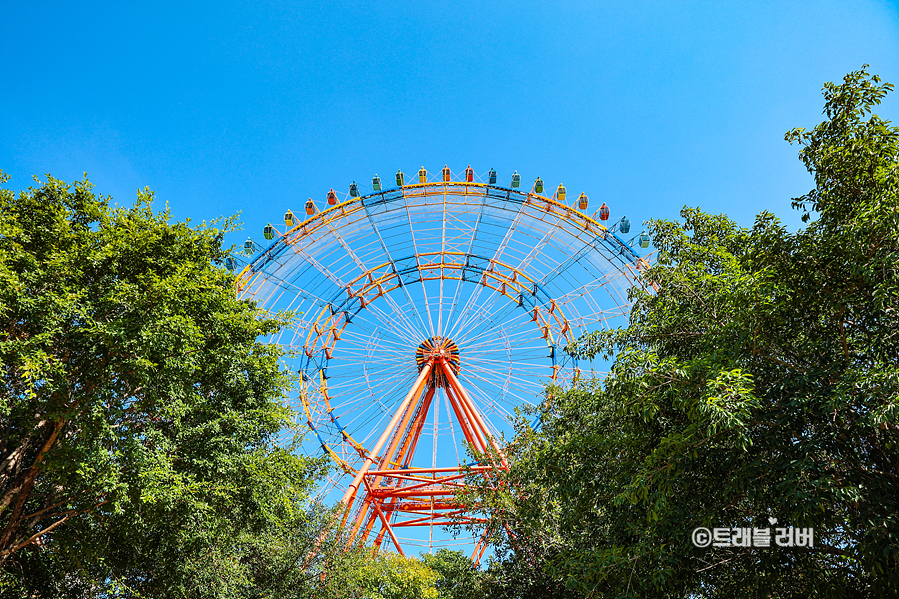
x=427 y=313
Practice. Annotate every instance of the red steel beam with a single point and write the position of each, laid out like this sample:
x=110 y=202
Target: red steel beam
x=351 y=491
x=385 y=523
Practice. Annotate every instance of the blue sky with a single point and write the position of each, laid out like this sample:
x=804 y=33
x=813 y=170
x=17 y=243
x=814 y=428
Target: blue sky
x=255 y=106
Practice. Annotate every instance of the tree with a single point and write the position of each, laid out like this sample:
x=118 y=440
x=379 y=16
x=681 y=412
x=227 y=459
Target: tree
x=458 y=577
x=137 y=406
x=358 y=573
x=760 y=381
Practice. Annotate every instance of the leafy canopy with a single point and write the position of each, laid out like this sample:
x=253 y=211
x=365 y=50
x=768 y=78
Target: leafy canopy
x=759 y=380
x=137 y=408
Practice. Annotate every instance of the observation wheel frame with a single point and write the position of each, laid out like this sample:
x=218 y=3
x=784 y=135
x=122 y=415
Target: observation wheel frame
x=386 y=487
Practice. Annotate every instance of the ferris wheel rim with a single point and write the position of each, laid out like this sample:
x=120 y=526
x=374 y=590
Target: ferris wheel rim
x=590 y=225
x=620 y=252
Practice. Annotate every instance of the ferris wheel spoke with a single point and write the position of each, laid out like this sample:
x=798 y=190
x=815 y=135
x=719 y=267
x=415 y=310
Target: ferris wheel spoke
x=359 y=419
x=506 y=391
x=490 y=375
x=481 y=324
x=365 y=400
x=442 y=250
x=471 y=316
x=377 y=230
x=474 y=234
x=321 y=268
x=452 y=428
x=424 y=291
x=364 y=419
x=487 y=307
x=370 y=334
x=509 y=234
x=490 y=330
x=497 y=254
x=301 y=293
x=492 y=364
x=357 y=348
x=487 y=407
x=539 y=246
x=401 y=325
x=347 y=248
x=395 y=321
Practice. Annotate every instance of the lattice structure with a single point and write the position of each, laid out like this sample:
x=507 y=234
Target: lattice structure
x=427 y=314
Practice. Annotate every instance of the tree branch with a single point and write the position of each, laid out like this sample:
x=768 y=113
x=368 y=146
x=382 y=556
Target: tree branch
x=42 y=532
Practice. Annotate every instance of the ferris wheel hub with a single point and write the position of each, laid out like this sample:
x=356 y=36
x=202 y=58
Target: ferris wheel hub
x=438 y=348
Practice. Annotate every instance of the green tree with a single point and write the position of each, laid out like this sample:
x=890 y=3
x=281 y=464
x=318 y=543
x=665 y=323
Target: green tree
x=137 y=408
x=760 y=380
x=458 y=577
x=358 y=574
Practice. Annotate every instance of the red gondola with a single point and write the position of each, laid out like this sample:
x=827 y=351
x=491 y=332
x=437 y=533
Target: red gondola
x=604 y=212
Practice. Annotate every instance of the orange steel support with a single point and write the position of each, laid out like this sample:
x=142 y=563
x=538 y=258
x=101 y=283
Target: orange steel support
x=465 y=423
x=414 y=392
x=451 y=377
x=403 y=496
x=385 y=522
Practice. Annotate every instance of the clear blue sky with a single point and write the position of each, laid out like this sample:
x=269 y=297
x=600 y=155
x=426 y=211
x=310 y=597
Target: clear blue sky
x=254 y=106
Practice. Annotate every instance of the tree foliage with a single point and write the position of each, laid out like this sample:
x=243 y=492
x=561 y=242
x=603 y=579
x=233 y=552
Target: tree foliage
x=137 y=408
x=360 y=574
x=458 y=578
x=759 y=380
